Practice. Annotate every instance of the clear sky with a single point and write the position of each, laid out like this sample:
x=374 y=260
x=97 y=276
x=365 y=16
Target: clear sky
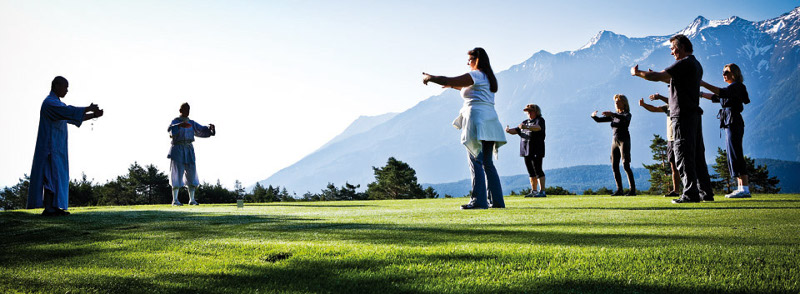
x=277 y=78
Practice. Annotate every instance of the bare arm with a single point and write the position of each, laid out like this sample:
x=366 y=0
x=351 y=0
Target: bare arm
x=513 y=131
x=657 y=96
x=661 y=76
x=711 y=88
x=649 y=107
x=458 y=82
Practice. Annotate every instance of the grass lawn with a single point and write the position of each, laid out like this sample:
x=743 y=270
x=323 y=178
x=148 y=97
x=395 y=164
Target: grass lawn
x=566 y=244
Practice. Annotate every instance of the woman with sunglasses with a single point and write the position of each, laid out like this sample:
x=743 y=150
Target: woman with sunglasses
x=481 y=131
x=731 y=99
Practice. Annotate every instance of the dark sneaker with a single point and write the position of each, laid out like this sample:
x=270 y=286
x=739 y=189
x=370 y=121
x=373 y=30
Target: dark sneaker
x=617 y=193
x=631 y=193
x=672 y=194
x=540 y=194
x=529 y=195
x=61 y=212
x=50 y=213
x=684 y=200
x=708 y=199
x=471 y=206
x=494 y=206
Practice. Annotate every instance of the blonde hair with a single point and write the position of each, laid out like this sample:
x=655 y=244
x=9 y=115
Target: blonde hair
x=735 y=72
x=624 y=100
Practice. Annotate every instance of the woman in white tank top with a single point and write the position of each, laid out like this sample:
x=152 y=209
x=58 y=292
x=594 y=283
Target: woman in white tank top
x=481 y=131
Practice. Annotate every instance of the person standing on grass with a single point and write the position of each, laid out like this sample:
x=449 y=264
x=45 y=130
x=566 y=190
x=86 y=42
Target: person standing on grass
x=684 y=78
x=49 y=181
x=182 y=130
x=531 y=147
x=621 y=144
x=670 y=147
x=731 y=99
x=481 y=131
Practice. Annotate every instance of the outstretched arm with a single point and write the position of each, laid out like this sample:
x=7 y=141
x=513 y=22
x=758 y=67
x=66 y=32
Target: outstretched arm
x=458 y=82
x=708 y=86
x=661 y=76
x=513 y=131
x=203 y=131
x=649 y=107
x=600 y=119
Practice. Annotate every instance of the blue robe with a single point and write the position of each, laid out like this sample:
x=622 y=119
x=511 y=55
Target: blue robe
x=182 y=151
x=50 y=159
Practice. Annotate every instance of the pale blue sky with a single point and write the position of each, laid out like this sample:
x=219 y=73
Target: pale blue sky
x=278 y=78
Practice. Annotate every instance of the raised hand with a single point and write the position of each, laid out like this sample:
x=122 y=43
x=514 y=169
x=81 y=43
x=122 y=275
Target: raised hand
x=607 y=113
x=641 y=102
x=98 y=113
x=426 y=78
x=634 y=70
x=594 y=113
x=92 y=108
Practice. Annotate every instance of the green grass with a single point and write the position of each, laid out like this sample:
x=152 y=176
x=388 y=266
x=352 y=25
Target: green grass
x=568 y=244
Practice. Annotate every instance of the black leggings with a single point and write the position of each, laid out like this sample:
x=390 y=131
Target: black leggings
x=622 y=149
x=534 y=165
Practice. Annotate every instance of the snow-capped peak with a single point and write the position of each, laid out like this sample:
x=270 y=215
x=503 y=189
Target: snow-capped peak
x=600 y=35
x=698 y=24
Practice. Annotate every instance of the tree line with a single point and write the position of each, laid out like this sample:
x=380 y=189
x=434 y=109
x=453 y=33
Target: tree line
x=721 y=180
x=147 y=185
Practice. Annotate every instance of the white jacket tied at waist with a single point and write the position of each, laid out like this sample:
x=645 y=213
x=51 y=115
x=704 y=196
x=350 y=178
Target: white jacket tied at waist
x=478 y=122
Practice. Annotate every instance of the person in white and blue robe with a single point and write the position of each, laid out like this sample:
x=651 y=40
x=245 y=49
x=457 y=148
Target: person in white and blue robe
x=183 y=170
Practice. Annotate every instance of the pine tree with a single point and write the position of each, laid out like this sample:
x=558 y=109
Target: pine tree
x=760 y=181
x=396 y=180
x=722 y=180
x=660 y=171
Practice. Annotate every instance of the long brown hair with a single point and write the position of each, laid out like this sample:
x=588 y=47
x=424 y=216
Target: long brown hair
x=484 y=66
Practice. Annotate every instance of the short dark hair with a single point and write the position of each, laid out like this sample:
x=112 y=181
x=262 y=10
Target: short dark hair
x=683 y=42
x=185 y=104
x=59 y=80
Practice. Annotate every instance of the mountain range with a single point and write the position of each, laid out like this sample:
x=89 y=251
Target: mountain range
x=568 y=86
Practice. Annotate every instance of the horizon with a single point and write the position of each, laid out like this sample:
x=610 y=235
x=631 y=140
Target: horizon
x=136 y=70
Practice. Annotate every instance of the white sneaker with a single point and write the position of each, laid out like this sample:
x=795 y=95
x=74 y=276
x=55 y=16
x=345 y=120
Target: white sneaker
x=738 y=194
x=177 y=203
x=194 y=203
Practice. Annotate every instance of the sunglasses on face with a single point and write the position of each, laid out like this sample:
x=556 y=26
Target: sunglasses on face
x=727 y=72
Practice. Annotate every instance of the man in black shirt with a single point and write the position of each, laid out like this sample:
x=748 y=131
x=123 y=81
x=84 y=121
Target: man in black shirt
x=684 y=78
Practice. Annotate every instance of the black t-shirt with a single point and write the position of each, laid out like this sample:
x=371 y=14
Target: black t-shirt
x=731 y=99
x=684 y=87
x=532 y=143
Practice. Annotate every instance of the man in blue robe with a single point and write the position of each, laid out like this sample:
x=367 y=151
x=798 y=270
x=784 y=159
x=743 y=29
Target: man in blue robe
x=182 y=130
x=49 y=182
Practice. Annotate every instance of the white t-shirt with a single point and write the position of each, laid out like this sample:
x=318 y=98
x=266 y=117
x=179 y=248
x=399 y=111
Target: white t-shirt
x=480 y=89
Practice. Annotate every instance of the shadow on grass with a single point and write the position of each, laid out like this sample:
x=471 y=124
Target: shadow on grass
x=316 y=205
x=352 y=276
x=676 y=207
